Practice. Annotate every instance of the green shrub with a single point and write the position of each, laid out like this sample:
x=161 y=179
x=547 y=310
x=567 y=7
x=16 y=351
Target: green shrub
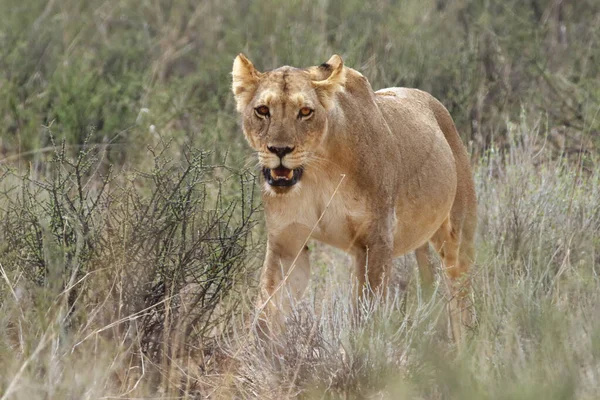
x=153 y=255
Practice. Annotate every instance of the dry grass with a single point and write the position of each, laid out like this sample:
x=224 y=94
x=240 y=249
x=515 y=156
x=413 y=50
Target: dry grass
x=536 y=290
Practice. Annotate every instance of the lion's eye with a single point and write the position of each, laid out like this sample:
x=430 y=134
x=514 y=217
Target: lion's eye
x=305 y=112
x=262 y=111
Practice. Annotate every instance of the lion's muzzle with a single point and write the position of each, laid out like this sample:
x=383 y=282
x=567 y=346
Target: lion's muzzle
x=282 y=176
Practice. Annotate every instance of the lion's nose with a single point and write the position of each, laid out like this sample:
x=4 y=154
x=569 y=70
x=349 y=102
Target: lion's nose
x=280 y=151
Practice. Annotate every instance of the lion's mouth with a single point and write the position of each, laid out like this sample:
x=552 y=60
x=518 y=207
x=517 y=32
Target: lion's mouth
x=282 y=176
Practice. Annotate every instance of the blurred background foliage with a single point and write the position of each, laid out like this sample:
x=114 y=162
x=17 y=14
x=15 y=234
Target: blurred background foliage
x=121 y=66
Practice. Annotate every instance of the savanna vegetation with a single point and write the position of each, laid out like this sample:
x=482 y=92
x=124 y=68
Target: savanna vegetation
x=131 y=232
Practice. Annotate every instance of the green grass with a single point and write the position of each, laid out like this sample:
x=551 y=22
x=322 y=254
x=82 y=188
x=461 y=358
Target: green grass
x=98 y=64
x=130 y=226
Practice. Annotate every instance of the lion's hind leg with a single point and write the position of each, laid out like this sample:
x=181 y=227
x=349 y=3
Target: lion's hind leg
x=456 y=249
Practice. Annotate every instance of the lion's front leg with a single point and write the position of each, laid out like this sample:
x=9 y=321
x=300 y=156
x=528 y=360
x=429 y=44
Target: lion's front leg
x=373 y=258
x=285 y=275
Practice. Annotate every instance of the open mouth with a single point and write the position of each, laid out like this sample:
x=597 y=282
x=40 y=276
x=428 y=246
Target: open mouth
x=282 y=176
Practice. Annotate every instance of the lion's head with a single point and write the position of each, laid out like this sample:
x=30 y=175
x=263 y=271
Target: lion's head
x=284 y=114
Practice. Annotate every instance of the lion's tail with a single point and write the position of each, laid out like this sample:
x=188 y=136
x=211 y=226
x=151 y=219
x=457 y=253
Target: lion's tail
x=464 y=210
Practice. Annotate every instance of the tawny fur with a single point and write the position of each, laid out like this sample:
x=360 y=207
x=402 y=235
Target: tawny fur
x=402 y=175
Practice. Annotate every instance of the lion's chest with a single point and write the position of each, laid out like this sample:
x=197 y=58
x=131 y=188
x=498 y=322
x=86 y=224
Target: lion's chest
x=320 y=212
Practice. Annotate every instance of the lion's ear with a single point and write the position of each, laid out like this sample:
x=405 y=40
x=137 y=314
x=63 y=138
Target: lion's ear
x=244 y=81
x=326 y=89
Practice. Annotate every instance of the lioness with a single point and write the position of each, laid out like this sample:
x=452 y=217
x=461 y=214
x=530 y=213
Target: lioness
x=377 y=174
